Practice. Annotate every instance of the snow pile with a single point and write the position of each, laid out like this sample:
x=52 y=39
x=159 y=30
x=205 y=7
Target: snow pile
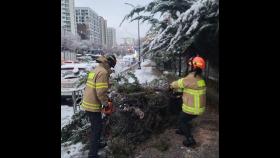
x=72 y=151
x=146 y=73
x=68 y=151
x=121 y=67
x=129 y=58
x=66 y=114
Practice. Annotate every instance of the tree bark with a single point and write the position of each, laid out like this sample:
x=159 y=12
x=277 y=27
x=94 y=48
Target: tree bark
x=175 y=67
x=180 y=64
x=207 y=71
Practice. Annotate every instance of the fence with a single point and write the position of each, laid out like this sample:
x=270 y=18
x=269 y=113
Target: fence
x=77 y=96
x=67 y=55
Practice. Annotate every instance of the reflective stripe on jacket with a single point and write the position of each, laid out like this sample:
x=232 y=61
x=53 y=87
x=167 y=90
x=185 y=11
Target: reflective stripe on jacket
x=96 y=89
x=194 y=94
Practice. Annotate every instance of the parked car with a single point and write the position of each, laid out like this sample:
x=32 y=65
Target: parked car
x=129 y=59
x=71 y=75
x=69 y=62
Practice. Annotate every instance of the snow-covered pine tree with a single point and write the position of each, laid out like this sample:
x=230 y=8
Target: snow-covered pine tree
x=178 y=24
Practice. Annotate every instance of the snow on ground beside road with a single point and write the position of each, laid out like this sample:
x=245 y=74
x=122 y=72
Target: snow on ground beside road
x=72 y=151
x=66 y=114
x=146 y=73
x=148 y=62
x=120 y=65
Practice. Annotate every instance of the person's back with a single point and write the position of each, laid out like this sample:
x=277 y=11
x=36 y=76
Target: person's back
x=96 y=88
x=194 y=97
x=194 y=89
x=95 y=98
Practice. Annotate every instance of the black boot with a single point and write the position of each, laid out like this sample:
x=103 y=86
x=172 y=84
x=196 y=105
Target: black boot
x=189 y=142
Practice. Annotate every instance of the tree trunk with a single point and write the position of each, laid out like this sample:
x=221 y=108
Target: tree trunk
x=180 y=64
x=208 y=70
x=175 y=67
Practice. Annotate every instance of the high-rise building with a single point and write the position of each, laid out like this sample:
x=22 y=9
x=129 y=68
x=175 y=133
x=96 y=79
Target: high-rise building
x=97 y=30
x=68 y=22
x=88 y=26
x=103 y=32
x=111 y=36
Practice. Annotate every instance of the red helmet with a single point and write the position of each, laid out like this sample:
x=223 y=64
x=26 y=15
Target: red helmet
x=197 y=62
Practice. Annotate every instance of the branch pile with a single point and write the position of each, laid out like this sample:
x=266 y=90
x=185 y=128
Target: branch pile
x=140 y=112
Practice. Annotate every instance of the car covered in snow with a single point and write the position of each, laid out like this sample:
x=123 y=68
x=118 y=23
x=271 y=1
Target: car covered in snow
x=71 y=75
x=69 y=62
x=129 y=59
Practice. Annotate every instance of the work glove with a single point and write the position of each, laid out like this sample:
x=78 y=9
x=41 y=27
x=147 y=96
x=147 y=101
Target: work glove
x=172 y=85
x=170 y=88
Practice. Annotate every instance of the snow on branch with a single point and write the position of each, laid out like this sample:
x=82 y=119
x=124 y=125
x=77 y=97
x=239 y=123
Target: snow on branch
x=177 y=24
x=186 y=25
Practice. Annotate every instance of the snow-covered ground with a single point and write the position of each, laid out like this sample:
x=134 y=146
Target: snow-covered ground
x=66 y=114
x=122 y=65
x=146 y=73
x=73 y=151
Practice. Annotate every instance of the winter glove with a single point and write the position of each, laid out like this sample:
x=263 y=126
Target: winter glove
x=171 y=88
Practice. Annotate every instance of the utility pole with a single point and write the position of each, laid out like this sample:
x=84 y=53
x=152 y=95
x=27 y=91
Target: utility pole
x=139 y=54
x=180 y=64
x=139 y=45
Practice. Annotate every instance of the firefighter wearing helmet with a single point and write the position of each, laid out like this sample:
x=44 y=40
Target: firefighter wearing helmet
x=96 y=101
x=194 y=97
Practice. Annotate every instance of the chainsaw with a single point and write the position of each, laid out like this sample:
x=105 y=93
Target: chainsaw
x=107 y=111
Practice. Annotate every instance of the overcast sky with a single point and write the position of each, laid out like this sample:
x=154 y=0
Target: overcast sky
x=114 y=11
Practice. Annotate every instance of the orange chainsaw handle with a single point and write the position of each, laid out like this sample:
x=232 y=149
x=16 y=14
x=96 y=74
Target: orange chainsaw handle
x=108 y=110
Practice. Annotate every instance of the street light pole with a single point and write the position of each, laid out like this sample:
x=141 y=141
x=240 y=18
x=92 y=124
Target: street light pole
x=139 y=62
x=139 y=46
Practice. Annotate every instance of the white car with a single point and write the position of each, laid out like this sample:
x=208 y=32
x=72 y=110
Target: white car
x=129 y=59
x=70 y=79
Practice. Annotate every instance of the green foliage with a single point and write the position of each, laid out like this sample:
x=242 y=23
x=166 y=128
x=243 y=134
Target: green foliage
x=160 y=83
x=121 y=83
x=126 y=129
x=175 y=33
x=77 y=130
